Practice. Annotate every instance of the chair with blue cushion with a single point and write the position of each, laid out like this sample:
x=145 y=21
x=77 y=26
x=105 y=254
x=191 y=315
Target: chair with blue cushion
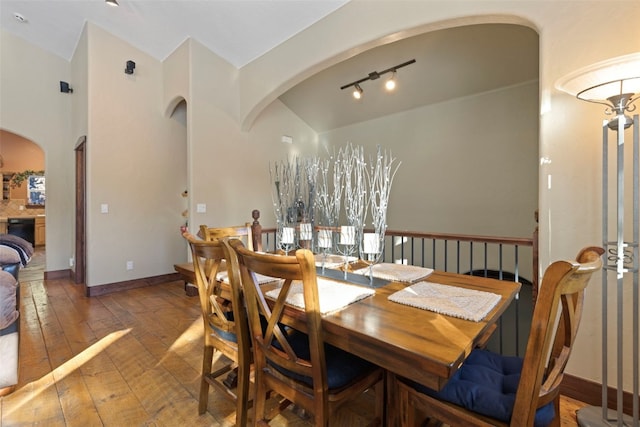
x=491 y=389
x=226 y=329
x=298 y=366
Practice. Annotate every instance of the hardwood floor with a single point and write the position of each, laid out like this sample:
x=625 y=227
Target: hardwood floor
x=128 y=358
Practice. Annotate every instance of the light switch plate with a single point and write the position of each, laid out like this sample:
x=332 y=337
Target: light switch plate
x=201 y=208
x=104 y=208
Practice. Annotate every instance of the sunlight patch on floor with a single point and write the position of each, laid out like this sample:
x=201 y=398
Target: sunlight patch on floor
x=24 y=395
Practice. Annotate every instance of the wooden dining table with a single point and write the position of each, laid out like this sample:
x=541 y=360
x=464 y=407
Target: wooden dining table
x=419 y=344
x=422 y=345
x=412 y=342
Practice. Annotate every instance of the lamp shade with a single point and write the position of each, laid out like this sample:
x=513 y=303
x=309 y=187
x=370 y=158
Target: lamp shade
x=614 y=83
x=604 y=78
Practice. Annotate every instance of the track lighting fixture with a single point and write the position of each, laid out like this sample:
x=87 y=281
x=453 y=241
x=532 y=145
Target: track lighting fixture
x=112 y=2
x=374 y=75
x=357 y=91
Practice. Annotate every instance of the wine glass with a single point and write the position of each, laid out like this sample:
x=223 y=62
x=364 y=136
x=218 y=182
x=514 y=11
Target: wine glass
x=286 y=238
x=325 y=243
x=371 y=247
x=347 y=244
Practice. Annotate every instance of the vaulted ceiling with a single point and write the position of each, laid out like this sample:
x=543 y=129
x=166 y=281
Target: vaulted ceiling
x=450 y=63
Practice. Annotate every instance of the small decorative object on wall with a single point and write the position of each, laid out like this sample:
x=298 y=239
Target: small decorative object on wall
x=129 y=67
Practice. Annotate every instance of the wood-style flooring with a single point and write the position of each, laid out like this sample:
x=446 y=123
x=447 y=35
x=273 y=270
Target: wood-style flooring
x=130 y=358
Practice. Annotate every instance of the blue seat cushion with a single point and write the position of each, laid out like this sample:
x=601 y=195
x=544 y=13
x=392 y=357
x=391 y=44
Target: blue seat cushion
x=225 y=335
x=342 y=367
x=231 y=336
x=486 y=383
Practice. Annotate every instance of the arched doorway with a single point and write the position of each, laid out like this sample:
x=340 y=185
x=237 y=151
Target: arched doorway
x=21 y=158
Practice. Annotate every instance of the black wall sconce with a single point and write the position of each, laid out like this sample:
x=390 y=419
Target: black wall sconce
x=65 y=88
x=130 y=67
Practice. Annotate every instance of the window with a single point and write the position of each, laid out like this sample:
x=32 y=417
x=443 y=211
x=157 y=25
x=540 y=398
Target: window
x=35 y=190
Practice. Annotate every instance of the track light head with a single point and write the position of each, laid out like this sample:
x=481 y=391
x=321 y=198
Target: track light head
x=357 y=91
x=391 y=83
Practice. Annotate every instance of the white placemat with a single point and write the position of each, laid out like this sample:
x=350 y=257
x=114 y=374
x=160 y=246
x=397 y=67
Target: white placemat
x=468 y=304
x=333 y=260
x=262 y=279
x=397 y=272
x=333 y=295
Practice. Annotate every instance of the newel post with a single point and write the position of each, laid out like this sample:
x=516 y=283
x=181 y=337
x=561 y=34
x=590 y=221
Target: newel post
x=256 y=230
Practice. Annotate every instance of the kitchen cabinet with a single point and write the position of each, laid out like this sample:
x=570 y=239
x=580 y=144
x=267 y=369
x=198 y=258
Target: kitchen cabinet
x=39 y=232
x=6 y=185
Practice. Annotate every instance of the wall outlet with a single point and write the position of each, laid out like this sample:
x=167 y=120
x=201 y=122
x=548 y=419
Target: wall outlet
x=201 y=208
x=71 y=262
x=129 y=265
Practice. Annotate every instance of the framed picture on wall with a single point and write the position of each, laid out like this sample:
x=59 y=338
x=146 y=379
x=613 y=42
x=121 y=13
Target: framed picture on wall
x=36 y=190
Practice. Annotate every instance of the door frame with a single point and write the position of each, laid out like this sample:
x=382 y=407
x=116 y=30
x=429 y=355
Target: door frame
x=80 y=248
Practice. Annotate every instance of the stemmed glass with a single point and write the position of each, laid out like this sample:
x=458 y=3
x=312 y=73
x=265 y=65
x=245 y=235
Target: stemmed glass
x=325 y=243
x=371 y=248
x=286 y=238
x=347 y=244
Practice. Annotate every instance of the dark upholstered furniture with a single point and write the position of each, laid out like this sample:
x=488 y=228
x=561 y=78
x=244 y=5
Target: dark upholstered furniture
x=9 y=326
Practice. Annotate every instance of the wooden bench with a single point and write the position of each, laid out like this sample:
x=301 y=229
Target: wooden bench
x=185 y=270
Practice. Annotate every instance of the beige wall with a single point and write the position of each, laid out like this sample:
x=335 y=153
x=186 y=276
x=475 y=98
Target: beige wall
x=572 y=34
x=20 y=154
x=136 y=159
x=468 y=165
x=232 y=134
x=32 y=106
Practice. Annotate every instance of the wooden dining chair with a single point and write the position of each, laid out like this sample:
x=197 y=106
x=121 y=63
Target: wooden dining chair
x=242 y=232
x=298 y=366
x=226 y=328
x=491 y=389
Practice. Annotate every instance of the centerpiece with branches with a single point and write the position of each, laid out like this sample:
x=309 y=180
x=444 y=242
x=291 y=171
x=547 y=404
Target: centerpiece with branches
x=294 y=201
x=329 y=199
x=351 y=165
x=380 y=178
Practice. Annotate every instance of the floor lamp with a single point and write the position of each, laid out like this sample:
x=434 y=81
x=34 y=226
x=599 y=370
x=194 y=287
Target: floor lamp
x=616 y=84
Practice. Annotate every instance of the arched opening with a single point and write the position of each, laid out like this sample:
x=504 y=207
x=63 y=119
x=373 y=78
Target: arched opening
x=22 y=207
x=177 y=111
